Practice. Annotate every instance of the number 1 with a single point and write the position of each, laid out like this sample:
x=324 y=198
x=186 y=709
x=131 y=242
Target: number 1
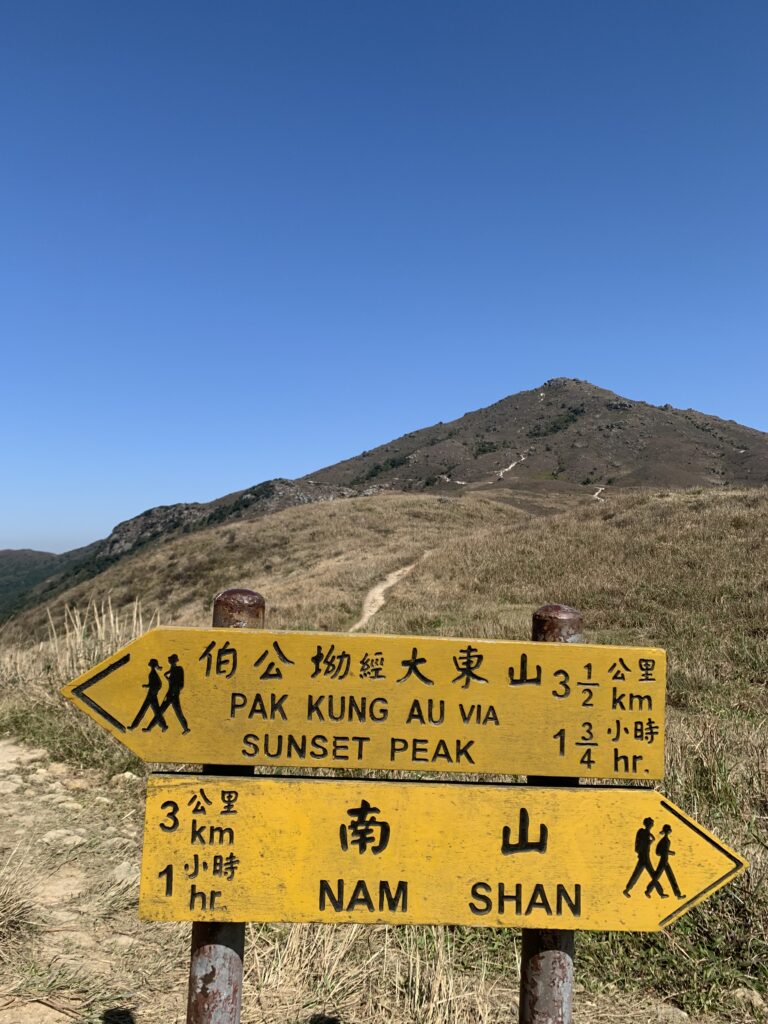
x=168 y=873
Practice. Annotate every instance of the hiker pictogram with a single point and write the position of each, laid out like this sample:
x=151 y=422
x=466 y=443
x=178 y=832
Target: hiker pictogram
x=153 y=686
x=172 y=699
x=175 y=677
x=663 y=852
x=643 y=842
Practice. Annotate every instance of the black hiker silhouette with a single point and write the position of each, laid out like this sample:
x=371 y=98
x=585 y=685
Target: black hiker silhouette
x=663 y=852
x=175 y=677
x=153 y=686
x=643 y=842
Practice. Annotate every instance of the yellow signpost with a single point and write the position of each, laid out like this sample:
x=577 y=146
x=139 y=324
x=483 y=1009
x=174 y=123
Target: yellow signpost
x=409 y=703
x=298 y=849
x=225 y=848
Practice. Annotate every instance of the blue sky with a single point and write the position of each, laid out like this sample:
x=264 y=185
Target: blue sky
x=247 y=240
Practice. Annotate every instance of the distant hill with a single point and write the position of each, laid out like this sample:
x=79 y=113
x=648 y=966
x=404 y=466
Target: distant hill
x=20 y=569
x=24 y=571
x=566 y=436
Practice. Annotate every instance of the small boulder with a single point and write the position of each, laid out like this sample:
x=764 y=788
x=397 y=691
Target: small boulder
x=126 y=871
x=62 y=837
x=751 y=998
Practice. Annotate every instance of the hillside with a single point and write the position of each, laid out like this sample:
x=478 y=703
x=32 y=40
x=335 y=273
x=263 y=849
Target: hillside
x=63 y=572
x=23 y=568
x=567 y=437
x=321 y=558
x=567 y=432
x=26 y=575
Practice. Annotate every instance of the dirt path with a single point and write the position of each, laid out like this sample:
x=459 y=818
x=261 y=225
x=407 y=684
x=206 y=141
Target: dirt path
x=69 y=864
x=374 y=599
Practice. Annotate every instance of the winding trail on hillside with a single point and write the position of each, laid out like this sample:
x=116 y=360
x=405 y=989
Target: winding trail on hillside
x=374 y=599
x=515 y=462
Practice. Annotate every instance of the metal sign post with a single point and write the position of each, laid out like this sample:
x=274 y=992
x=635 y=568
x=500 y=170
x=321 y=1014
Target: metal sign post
x=546 y=958
x=216 y=962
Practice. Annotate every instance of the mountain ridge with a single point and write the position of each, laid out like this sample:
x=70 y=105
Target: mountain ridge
x=566 y=430
x=566 y=435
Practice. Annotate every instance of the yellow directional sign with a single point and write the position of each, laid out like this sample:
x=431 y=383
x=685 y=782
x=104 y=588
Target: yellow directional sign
x=295 y=849
x=426 y=704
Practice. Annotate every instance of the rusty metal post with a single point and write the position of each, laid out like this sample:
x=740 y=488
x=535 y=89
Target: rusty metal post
x=546 y=964
x=216 y=964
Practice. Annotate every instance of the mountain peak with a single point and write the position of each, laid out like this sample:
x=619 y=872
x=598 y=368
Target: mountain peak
x=565 y=433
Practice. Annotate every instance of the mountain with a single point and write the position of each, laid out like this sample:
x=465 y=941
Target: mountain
x=566 y=431
x=24 y=571
x=565 y=436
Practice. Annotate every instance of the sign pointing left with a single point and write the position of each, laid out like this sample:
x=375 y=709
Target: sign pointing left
x=356 y=701
x=80 y=693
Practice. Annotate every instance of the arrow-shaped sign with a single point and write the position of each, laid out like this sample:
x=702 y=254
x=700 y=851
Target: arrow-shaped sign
x=280 y=849
x=236 y=696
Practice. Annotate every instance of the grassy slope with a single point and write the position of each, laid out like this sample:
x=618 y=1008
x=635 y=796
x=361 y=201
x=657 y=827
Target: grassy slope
x=313 y=563
x=688 y=571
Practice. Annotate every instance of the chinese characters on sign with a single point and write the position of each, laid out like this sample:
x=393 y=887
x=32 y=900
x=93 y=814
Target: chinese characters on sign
x=406 y=703
x=271 y=849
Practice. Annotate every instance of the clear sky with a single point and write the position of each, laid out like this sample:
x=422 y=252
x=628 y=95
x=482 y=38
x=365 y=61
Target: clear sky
x=249 y=239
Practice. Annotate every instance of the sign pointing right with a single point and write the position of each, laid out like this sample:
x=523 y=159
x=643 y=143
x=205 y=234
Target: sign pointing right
x=330 y=850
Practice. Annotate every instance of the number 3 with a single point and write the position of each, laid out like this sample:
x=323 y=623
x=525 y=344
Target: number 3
x=171 y=809
x=562 y=676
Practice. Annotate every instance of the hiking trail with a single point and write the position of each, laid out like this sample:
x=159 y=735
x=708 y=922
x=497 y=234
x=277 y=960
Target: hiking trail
x=375 y=598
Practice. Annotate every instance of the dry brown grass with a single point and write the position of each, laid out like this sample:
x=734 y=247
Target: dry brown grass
x=315 y=563
x=17 y=915
x=363 y=974
x=31 y=676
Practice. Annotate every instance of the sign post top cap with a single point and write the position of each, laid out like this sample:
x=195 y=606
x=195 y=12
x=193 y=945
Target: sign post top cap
x=240 y=608
x=557 y=622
